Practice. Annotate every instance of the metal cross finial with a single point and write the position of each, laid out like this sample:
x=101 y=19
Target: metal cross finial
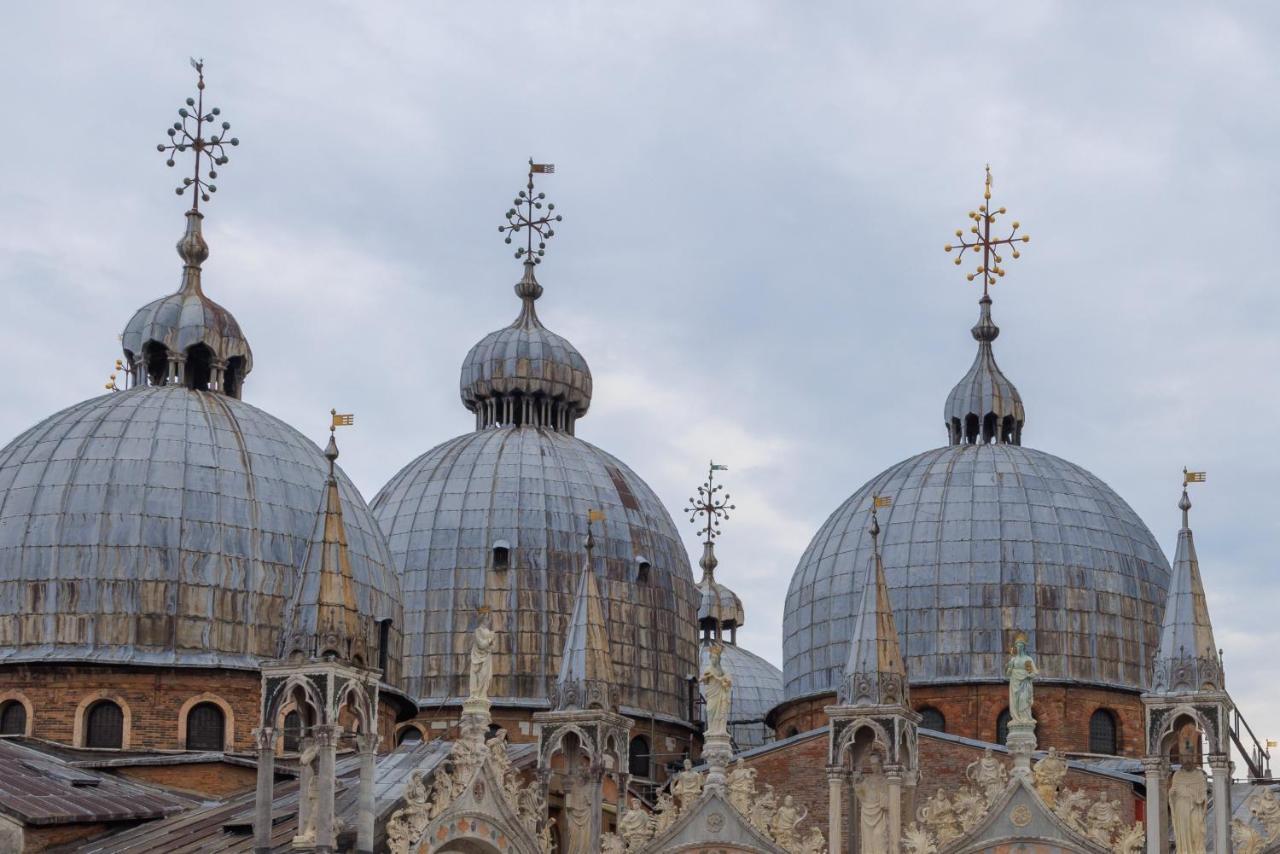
x=980 y=239
x=190 y=134
x=706 y=503
x=525 y=216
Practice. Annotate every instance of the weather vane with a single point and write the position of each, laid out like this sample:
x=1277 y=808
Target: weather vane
x=707 y=503
x=979 y=239
x=1192 y=477
x=528 y=216
x=190 y=134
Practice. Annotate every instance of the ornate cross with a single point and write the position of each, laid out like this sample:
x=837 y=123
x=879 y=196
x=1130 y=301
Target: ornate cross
x=980 y=239
x=189 y=134
x=525 y=216
x=708 y=503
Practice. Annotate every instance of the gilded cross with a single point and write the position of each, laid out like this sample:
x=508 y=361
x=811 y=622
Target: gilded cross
x=528 y=215
x=191 y=134
x=712 y=502
x=979 y=238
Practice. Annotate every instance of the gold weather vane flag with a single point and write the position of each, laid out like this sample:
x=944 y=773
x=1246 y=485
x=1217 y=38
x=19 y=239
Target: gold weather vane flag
x=980 y=239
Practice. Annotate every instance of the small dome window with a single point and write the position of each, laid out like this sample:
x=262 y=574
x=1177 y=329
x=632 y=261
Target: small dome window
x=206 y=727
x=1002 y=727
x=501 y=555
x=1102 y=733
x=642 y=569
x=409 y=735
x=931 y=718
x=13 y=718
x=104 y=725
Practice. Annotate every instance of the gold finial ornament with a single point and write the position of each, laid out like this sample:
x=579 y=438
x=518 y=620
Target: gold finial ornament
x=111 y=380
x=980 y=239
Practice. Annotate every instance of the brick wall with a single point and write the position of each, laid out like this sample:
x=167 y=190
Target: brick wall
x=1062 y=713
x=211 y=779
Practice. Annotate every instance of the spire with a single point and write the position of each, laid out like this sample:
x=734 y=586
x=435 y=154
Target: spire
x=325 y=619
x=874 y=674
x=1187 y=659
x=985 y=406
x=586 y=665
x=719 y=607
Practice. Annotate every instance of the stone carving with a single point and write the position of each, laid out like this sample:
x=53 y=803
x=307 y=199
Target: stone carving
x=784 y=822
x=939 y=816
x=667 y=813
x=1021 y=815
x=813 y=843
x=687 y=786
x=872 y=790
x=1049 y=774
x=970 y=806
x=577 y=811
x=1131 y=840
x=307 y=761
x=1070 y=807
x=407 y=824
x=1103 y=820
x=717 y=687
x=742 y=787
x=762 y=810
x=1265 y=808
x=545 y=840
x=917 y=840
x=635 y=826
x=483 y=643
x=611 y=843
x=1188 y=796
x=989 y=775
x=1021 y=672
x=1245 y=839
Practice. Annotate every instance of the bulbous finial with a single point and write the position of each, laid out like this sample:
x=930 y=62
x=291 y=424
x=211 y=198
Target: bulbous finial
x=192 y=248
x=985 y=330
x=528 y=288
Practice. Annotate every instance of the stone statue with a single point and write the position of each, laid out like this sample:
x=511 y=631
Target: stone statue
x=969 y=805
x=307 y=832
x=762 y=810
x=442 y=792
x=989 y=775
x=635 y=827
x=577 y=813
x=1103 y=820
x=872 y=790
x=1188 y=794
x=611 y=843
x=918 y=841
x=742 y=787
x=498 y=752
x=1265 y=808
x=687 y=786
x=1049 y=774
x=483 y=643
x=1070 y=807
x=545 y=839
x=783 y=825
x=1245 y=839
x=939 y=815
x=1021 y=672
x=667 y=813
x=813 y=843
x=717 y=688
x=1132 y=840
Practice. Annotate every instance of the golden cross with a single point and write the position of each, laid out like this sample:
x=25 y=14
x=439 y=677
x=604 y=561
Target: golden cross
x=979 y=238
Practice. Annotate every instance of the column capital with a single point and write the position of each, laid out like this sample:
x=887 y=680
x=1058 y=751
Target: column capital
x=265 y=738
x=1219 y=761
x=837 y=772
x=1155 y=764
x=326 y=735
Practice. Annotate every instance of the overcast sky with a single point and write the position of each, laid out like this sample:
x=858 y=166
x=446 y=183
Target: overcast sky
x=755 y=196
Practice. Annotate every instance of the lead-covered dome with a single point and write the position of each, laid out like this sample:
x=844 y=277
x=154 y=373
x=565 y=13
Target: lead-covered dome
x=497 y=517
x=167 y=526
x=984 y=538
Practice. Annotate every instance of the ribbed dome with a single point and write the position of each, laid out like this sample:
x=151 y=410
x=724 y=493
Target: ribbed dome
x=981 y=541
x=757 y=688
x=985 y=405
x=525 y=373
x=166 y=526
x=505 y=510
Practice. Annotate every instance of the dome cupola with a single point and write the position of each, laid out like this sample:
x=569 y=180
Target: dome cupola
x=984 y=406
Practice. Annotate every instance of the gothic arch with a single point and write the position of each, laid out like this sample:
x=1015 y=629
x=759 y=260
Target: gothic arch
x=852 y=748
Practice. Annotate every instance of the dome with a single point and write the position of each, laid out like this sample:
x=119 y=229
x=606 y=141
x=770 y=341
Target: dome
x=525 y=373
x=498 y=517
x=166 y=526
x=982 y=541
x=757 y=688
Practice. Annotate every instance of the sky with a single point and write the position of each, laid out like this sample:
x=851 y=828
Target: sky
x=755 y=197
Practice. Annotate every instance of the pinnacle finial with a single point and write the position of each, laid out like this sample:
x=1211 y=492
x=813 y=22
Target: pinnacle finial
x=336 y=419
x=527 y=214
x=979 y=239
x=877 y=501
x=1184 y=503
x=191 y=134
x=709 y=503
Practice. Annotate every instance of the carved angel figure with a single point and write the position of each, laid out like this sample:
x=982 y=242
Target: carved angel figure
x=1049 y=774
x=742 y=787
x=483 y=643
x=717 y=687
x=667 y=813
x=762 y=810
x=1021 y=672
x=783 y=825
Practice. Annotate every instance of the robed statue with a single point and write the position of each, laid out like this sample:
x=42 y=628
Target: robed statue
x=1188 y=796
x=872 y=790
x=1021 y=672
x=717 y=687
x=483 y=643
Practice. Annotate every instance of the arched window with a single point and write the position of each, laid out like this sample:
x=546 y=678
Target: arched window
x=409 y=735
x=292 y=732
x=501 y=556
x=1002 y=727
x=1102 y=733
x=792 y=732
x=642 y=569
x=639 y=758
x=931 y=718
x=104 y=725
x=206 y=727
x=13 y=718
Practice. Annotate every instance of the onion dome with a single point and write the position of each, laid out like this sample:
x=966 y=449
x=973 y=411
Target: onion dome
x=166 y=526
x=186 y=338
x=984 y=406
x=1187 y=660
x=719 y=608
x=525 y=373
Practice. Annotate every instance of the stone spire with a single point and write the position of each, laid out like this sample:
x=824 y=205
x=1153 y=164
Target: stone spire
x=1187 y=659
x=874 y=674
x=586 y=665
x=325 y=619
x=984 y=406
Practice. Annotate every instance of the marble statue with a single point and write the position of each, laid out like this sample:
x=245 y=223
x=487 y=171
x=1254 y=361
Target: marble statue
x=1103 y=820
x=442 y=791
x=483 y=643
x=635 y=827
x=813 y=843
x=1188 y=794
x=1245 y=839
x=783 y=825
x=577 y=812
x=762 y=810
x=545 y=838
x=742 y=787
x=1021 y=672
x=1049 y=774
x=939 y=815
x=717 y=687
x=918 y=841
x=989 y=775
x=1132 y=840
x=611 y=843
x=872 y=790
x=308 y=759
x=667 y=813
x=1265 y=808
x=687 y=786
